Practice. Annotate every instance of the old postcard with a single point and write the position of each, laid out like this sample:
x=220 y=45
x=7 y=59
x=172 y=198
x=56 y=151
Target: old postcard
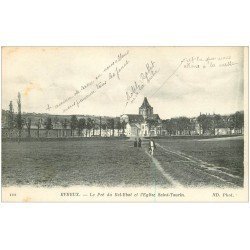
x=124 y=124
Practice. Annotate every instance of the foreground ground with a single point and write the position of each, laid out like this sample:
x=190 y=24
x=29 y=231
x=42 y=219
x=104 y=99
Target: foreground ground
x=177 y=162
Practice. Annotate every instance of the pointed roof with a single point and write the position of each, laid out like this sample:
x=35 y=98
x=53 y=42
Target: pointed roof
x=145 y=103
x=154 y=117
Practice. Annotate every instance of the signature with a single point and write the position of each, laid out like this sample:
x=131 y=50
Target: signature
x=135 y=89
x=145 y=78
x=150 y=72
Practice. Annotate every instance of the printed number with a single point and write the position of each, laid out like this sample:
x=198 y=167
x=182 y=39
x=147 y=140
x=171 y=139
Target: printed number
x=12 y=194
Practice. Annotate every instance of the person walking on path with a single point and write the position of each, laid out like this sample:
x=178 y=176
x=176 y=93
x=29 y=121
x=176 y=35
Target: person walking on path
x=135 y=143
x=151 y=146
x=139 y=143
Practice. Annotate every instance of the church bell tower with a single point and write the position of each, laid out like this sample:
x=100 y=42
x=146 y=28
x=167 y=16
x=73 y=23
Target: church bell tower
x=146 y=110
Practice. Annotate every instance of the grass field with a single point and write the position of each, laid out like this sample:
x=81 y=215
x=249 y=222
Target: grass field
x=68 y=163
x=116 y=162
x=195 y=162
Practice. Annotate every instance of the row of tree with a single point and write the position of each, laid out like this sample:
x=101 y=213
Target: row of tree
x=207 y=123
x=180 y=125
x=88 y=125
x=17 y=121
x=173 y=126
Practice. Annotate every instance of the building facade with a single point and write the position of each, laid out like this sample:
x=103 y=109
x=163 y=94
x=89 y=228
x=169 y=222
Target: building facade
x=144 y=124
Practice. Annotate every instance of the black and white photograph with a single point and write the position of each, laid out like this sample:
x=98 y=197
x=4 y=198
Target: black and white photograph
x=115 y=124
x=124 y=125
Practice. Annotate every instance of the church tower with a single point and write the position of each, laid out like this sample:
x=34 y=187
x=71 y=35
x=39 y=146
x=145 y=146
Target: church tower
x=145 y=110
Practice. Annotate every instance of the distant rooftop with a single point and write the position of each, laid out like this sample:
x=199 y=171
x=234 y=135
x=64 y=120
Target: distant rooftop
x=154 y=117
x=135 y=118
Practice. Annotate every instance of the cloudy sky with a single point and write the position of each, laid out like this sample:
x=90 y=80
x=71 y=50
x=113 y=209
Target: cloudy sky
x=183 y=84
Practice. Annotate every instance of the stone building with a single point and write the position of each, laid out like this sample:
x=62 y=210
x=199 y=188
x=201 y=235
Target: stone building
x=146 y=123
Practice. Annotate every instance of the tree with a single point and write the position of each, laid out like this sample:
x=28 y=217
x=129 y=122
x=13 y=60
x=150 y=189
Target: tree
x=100 y=126
x=239 y=120
x=236 y=121
x=56 y=122
x=80 y=125
x=192 y=126
x=64 y=124
x=174 y=124
x=104 y=127
x=111 y=125
x=231 y=122
x=167 y=125
x=19 y=120
x=218 y=122
x=89 y=125
x=28 y=125
x=183 y=124
x=118 y=126
x=151 y=124
x=93 y=126
x=38 y=125
x=11 y=116
x=73 y=123
x=48 y=125
x=205 y=122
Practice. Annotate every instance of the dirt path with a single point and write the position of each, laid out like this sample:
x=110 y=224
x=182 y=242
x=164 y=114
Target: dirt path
x=188 y=171
x=169 y=179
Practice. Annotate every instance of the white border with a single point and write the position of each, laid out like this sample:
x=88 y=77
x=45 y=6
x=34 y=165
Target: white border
x=124 y=226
